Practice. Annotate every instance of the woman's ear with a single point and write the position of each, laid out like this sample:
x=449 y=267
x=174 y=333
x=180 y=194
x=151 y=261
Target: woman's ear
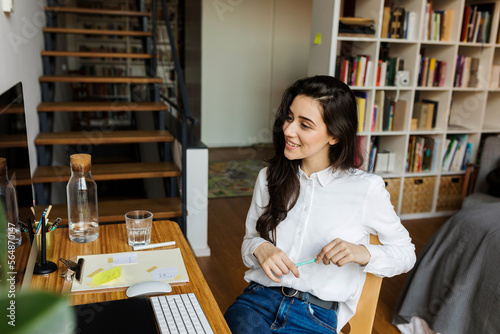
x=333 y=141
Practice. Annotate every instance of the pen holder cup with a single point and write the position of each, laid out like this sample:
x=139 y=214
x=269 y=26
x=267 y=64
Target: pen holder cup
x=49 y=243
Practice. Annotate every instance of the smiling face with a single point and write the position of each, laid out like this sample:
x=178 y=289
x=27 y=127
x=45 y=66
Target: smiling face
x=306 y=136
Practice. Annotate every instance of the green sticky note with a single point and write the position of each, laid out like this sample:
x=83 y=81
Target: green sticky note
x=106 y=276
x=317 y=40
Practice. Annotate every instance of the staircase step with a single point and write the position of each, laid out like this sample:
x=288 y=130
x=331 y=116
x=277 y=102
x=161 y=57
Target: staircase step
x=94 y=11
x=96 y=54
x=107 y=172
x=13 y=140
x=97 y=79
x=114 y=211
x=101 y=106
x=107 y=32
x=15 y=108
x=102 y=137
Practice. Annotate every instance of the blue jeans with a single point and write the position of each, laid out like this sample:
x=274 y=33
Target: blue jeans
x=264 y=310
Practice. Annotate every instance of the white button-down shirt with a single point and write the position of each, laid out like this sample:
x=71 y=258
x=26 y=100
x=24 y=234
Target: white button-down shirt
x=345 y=205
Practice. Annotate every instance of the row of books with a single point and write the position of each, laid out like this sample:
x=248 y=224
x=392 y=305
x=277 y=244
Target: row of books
x=432 y=72
x=421 y=154
x=399 y=23
x=388 y=114
x=458 y=153
x=466 y=72
x=437 y=23
x=387 y=69
x=354 y=71
x=476 y=23
x=424 y=115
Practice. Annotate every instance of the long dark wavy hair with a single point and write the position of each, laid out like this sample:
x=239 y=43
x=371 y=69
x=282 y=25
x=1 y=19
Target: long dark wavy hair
x=338 y=106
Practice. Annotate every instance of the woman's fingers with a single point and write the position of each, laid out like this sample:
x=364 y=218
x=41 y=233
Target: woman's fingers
x=340 y=252
x=274 y=262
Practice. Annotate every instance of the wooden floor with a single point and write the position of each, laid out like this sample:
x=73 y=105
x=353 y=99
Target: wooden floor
x=224 y=269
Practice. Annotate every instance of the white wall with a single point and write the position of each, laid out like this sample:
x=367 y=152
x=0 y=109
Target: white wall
x=251 y=51
x=21 y=41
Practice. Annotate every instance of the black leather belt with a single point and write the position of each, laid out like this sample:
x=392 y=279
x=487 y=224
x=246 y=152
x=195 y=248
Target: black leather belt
x=306 y=297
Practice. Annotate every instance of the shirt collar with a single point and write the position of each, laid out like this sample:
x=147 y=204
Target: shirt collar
x=323 y=177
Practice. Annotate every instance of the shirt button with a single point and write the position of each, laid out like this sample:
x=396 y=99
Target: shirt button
x=304 y=208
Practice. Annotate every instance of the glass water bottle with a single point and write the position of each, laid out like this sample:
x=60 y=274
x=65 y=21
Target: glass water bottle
x=9 y=199
x=81 y=193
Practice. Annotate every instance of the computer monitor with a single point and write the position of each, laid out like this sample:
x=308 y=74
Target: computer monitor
x=14 y=147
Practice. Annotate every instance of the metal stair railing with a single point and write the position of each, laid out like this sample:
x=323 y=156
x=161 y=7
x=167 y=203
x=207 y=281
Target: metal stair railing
x=183 y=113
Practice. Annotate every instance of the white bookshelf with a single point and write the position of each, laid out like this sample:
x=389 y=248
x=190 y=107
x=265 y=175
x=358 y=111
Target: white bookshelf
x=474 y=111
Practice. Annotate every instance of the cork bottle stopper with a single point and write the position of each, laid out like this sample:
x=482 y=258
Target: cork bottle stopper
x=80 y=162
x=3 y=166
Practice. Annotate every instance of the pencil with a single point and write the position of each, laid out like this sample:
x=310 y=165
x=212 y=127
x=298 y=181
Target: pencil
x=305 y=262
x=48 y=211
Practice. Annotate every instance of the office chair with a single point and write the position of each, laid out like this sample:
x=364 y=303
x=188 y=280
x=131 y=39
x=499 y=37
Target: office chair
x=362 y=320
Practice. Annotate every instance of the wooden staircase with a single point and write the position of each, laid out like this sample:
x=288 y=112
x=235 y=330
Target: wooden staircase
x=48 y=172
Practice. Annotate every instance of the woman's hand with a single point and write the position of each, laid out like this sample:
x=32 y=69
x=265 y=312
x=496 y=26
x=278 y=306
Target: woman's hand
x=274 y=260
x=340 y=252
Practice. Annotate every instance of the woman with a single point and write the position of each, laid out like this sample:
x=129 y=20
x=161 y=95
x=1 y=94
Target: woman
x=312 y=202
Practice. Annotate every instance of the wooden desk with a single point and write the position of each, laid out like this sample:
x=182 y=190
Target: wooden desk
x=113 y=239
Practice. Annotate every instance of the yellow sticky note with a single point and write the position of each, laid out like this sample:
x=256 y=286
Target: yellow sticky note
x=317 y=39
x=106 y=276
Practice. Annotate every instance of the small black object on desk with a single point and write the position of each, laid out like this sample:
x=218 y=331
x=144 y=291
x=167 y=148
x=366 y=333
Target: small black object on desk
x=45 y=267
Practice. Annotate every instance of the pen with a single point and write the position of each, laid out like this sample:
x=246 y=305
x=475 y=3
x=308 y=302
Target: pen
x=161 y=244
x=53 y=227
x=305 y=262
x=41 y=221
x=22 y=225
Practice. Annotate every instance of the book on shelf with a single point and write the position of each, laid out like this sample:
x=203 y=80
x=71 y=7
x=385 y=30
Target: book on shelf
x=362 y=106
x=476 y=23
x=495 y=76
x=374 y=142
x=431 y=72
x=466 y=72
x=424 y=115
x=421 y=154
x=356 y=27
x=385 y=162
x=458 y=153
x=386 y=19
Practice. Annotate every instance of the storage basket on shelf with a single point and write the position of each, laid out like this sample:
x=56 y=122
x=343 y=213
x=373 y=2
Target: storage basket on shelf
x=418 y=194
x=450 y=190
x=393 y=186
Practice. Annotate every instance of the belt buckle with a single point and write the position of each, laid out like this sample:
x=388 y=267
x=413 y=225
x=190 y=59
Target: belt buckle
x=283 y=292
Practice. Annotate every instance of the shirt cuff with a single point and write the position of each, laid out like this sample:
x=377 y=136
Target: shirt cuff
x=250 y=257
x=376 y=253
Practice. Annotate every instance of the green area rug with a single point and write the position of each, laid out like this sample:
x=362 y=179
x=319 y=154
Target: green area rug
x=233 y=178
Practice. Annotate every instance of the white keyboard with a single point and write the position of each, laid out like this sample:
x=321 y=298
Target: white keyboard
x=180 y=313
